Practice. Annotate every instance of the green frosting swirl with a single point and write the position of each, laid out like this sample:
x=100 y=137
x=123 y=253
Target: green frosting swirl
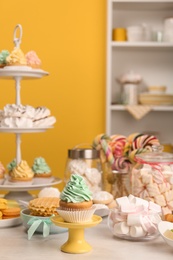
x=3 y=56
x=40 y=166
x=11 y=165
x=76 y=190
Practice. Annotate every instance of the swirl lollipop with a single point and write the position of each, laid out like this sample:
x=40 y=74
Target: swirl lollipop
x=117 y=144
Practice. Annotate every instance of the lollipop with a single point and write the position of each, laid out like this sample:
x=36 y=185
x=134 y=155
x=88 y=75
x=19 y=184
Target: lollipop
x=97 y=140
x=140 y=144
x=121 y=164
x=97 y=144
x=117 y=144
x=107 y=151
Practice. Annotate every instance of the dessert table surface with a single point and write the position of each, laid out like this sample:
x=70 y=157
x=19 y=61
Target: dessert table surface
x=14 y=245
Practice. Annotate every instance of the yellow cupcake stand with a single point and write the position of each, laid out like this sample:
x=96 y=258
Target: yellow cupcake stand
x=76 y=243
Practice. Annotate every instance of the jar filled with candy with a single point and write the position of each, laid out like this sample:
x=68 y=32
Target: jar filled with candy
x=152 y=178
x=85 y=161
x=134 y=219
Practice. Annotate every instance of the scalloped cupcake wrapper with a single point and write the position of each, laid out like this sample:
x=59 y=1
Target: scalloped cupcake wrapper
x=77 y=216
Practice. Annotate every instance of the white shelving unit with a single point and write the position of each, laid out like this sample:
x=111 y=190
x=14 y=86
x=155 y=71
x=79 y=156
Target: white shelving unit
x=152 y=60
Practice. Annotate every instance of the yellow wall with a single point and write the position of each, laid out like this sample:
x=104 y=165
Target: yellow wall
x=70 y=38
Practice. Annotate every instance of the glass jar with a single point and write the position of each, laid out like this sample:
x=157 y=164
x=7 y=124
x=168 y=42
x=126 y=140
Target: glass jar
x=116 y=182
x=85 y=162
x=152 y=178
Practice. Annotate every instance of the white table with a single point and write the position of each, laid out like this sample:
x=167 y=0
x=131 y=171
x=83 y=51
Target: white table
x=14 y=245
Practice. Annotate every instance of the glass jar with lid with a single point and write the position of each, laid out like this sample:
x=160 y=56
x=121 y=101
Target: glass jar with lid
x=85 y=161
x=152 y=178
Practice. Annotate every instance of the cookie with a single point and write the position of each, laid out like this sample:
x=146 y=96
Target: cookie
x=45 y=206
x=102 y=197
x=112 y=204
x=11 y=213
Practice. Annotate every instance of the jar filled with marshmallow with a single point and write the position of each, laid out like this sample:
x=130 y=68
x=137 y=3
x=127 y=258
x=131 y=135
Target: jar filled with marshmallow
x=152 y=178
x=85 y=161
x=134 y=219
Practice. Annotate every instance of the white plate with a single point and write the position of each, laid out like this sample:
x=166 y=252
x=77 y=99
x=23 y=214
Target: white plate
x=24 y=130
x=102 y=212
x=24 y=68
x=11 y=222
x=9 y=72
x=162 y=227
x=29 y=187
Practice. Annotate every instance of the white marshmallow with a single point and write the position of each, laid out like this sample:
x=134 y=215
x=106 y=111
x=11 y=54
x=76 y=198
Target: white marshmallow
x=121 y=228
x=137 y=231
x=133 y=220
x=123 y=201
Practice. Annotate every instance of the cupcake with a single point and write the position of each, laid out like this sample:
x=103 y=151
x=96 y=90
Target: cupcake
x=33 y=60
x=11 y=165
x=16 y=58
x=76 y=203
x=3 y=55
x=42 y=171
x=2 y=173
x=21 y=174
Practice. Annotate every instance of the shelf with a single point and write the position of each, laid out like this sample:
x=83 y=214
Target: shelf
x=144 y=4
x=164 y=45
x=154 y=108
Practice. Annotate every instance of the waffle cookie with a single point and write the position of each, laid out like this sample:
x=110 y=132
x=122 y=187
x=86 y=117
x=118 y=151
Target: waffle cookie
x=45 y=206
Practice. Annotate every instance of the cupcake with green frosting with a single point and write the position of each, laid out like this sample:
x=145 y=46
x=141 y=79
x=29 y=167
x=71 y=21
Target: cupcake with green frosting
x=41 y=169
x=3 y=55
x=76 y=203
x=11 y=165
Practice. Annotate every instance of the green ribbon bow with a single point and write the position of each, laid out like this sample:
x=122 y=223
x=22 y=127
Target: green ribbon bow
x=34 y=223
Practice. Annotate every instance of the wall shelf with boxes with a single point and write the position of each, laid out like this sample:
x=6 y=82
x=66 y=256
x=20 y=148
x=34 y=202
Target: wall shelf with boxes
x=151 y=58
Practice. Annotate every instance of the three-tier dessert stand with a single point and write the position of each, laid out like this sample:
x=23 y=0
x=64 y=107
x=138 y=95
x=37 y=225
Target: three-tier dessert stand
x=18 y=73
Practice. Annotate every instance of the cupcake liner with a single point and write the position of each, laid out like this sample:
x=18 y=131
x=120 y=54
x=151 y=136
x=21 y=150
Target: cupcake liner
x=77 y=216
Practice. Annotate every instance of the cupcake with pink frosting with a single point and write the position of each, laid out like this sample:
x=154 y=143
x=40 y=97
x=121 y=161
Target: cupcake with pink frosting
x=33 y=60
x=2 y=173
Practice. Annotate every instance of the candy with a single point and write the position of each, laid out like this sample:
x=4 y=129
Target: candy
x=121 y=228
x=135 y=217
x=137 y=231
x=117 y=144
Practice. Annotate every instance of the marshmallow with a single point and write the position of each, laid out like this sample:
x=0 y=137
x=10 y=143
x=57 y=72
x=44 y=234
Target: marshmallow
x=154 y=207
x=121 y=228
x=168 y=195
x=146 y=178
x=153 y=189
x=166 y=210
x=163 y=187
x=123 y=201
x=134 y=219
x=170 y=205
x=147 y=225
x=137 y=231
x=160 y=200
